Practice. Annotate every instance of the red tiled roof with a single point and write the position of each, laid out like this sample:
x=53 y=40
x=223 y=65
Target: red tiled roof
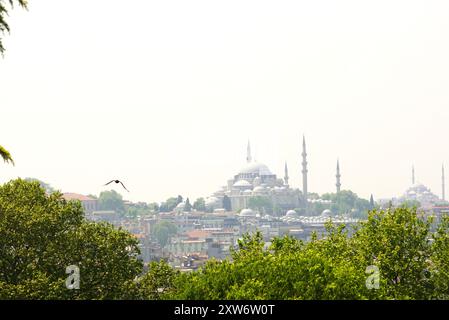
x=76 y=196
x=198 y=234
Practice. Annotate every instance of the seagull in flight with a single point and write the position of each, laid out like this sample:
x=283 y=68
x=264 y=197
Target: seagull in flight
x=117 y=181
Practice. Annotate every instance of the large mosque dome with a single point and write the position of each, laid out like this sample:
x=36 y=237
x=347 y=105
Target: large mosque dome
x=256 y=168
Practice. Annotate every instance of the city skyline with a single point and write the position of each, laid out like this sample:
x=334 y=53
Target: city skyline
x=338 y=185
x=167 y=100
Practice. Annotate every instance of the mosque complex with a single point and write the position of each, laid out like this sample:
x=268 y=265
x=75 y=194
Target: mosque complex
x=256 y=179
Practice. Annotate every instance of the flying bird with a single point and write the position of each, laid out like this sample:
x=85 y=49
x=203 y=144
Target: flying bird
x=117 y=181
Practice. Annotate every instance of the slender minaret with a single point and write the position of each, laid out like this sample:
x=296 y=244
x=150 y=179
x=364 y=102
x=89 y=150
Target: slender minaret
x=304 y=171
x=413 y=175
x=443 y=185
x=286 y=174
x=248 y=153
x=338 y=184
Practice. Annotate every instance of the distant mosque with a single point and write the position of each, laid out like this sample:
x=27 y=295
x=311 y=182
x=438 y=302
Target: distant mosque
x=422 y=194
x=256 y=179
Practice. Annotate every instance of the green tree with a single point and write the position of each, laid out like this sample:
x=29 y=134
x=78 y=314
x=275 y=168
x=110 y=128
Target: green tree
x=438 y=270
x=397 y=242
x=46 y=186
x=333 y=265
x=134 y=210
x=158 y=281
x=199 y=204
x=316 y=208
x=111 y=200
x=4 y=27
x=371 y=202
x=411 y=204
x=263 y=204
x=188 y=206
x=154 y=207
x=347 y=201
x=163 y=231
x=163 y=207
x=289 y=269
x=41 y=235
x=170 y=204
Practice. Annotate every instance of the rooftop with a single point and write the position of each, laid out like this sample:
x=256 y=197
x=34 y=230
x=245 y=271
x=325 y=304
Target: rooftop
x=75 y=196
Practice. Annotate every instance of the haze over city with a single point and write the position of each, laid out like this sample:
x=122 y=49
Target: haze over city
x=165 y=95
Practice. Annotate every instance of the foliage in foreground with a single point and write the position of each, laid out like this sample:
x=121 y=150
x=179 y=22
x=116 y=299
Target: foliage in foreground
x=41 y=234
x=396 y=241
x=4 y=154
x=4 y=27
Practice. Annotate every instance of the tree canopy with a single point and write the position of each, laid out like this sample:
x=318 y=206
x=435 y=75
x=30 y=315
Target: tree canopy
x=392 y=245
x=261 y=203
x=170 y=204
x=111 y=200
x=44 y=185
x=199 y=204
x=41 y=235
x=347 y=201
x=163 y=231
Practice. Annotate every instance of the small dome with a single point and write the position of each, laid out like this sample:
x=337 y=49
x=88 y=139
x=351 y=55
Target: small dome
x=326 y=213
x=212 y=201
x=242 y=184
x=181 y=205
x=247 y=213
x=247 y=191
x=259 y=189
x=291 y=213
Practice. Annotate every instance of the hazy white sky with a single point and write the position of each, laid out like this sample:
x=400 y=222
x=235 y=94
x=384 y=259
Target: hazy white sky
x=165 y=94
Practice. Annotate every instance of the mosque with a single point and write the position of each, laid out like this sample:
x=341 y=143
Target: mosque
x=422 y=194
x=256 y=179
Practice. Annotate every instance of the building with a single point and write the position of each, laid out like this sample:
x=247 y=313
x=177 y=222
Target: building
x=418 y=192
x=89 y=204
x=256 y=179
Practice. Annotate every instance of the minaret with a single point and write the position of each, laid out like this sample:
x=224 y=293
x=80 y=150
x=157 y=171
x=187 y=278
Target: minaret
x=413 y=175
x=304 y=171
x=443 y=185
x=338 y=177
x=248 y=153
x=286 y=174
